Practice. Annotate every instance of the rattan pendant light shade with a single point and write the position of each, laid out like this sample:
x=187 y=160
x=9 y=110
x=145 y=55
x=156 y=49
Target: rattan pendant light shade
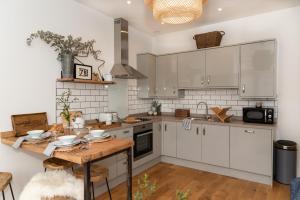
x=176 y=11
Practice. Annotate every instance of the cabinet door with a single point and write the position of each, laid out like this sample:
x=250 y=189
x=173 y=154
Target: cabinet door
x=191 y=69
x=215 y=145
x=258 y=70
x=146 y=64
x=169 y=139
x=157 y=139
x=111 y=165
x=189 y=142
x=166 y=76
x=222 y=67
x=251 y=150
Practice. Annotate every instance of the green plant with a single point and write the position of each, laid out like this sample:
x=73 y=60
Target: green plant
x=181 y=195
x=66 y=45
x=145 y=188
x=65 y=102
x=156 y=105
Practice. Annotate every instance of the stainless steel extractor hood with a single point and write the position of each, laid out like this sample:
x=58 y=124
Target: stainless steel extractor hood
x=121 y=68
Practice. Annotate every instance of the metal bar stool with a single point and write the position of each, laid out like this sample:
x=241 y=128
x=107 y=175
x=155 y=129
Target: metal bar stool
x=5 y=179
x=57 y=164
x=98 y=173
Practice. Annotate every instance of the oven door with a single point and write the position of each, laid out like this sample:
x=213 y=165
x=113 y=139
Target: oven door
x=255 y=115
x=143 y=144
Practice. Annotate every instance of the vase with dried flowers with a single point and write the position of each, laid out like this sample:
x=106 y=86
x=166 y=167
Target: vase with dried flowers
x=65 y=102
x=68 y=48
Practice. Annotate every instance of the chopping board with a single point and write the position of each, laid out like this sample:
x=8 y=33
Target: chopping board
x=26 y=122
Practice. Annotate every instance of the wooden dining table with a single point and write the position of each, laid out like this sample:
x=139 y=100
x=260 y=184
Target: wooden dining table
x=84 y=156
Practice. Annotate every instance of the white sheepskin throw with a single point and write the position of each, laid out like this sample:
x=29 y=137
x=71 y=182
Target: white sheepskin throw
x=51 y=184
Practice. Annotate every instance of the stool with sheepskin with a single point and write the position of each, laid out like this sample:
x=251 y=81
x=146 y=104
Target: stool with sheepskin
x=53 y=185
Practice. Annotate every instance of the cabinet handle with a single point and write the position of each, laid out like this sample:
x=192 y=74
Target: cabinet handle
x=208 y=79
x=125 y=132
x=204 y=131
x=243 y=89
x=165 y=127
x=159 y=127
x=197 y=131
x=247 y=131
x=125 y=163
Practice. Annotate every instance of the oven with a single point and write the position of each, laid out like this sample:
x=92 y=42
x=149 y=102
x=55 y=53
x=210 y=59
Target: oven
x=143 y=140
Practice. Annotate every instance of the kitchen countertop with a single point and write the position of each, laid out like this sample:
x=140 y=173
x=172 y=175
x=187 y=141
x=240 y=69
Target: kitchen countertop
x=235 y=122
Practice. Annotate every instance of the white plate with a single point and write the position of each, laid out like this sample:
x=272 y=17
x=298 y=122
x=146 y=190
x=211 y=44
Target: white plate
x=61 y=144
x=90 y=137
x=42 y=136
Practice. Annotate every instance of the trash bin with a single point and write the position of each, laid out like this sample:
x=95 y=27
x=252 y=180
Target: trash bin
x=285 y=161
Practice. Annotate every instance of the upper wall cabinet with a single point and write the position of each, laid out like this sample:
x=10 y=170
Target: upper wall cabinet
x=258 y=61
x=191 y=70
x=166 y=76
x=222 y=67
x=146 y=64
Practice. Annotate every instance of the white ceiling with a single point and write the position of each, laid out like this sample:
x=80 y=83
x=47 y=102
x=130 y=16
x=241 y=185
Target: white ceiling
x=140 y=16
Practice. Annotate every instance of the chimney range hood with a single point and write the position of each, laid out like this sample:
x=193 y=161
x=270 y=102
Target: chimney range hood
x=121 y=69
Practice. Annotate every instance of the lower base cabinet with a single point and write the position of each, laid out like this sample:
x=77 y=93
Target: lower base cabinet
x=189 y=143
x=251 y=150
x=169 y=138
x=215 y=145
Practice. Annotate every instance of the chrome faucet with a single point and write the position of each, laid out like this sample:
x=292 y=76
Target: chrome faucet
x=206 y=109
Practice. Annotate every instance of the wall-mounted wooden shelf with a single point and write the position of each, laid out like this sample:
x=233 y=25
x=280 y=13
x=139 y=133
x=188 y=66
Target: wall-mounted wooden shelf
x=84 y=81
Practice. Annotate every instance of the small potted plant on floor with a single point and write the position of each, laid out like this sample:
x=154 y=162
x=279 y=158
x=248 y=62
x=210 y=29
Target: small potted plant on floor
x=67 y=48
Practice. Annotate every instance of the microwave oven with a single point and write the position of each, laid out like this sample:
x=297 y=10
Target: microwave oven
x=258 y=115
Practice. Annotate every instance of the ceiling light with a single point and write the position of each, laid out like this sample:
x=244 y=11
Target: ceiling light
x=176 y=11
x=162 y=22
x=220 y=9
x=128 y=2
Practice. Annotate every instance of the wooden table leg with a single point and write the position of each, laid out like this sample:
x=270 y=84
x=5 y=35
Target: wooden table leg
x=129 y=174
x=87 y=181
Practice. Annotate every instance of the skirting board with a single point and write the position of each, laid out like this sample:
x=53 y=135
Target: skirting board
x=219 y=170
x=101 y=187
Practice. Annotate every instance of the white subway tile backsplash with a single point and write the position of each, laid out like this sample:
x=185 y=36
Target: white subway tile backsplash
x=213 y=97
x=89 y=102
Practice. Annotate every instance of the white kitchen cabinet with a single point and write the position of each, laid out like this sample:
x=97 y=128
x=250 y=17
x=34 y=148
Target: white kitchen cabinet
x=215 y=145
x=157 y=139
x=169 y=137
x=111 y=164
x=258 y=65
x=222 y=67
x=191 y=70
x=189 y=142
x=146 y=64
x=251 y=150
x=121 y=159
x=166 y=76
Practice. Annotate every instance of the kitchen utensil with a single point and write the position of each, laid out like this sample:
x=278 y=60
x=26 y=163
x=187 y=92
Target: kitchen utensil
x=220 y=113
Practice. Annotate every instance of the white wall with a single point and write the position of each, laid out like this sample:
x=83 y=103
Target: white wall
x=283 y=25
x=28 y=83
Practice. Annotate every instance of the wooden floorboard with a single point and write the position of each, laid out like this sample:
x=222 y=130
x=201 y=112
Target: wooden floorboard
x=203 y=186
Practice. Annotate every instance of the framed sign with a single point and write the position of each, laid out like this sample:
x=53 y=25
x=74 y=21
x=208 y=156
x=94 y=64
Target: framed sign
x=83 y=72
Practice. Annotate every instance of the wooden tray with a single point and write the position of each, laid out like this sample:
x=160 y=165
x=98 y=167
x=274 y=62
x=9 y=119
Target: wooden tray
x=26 y=122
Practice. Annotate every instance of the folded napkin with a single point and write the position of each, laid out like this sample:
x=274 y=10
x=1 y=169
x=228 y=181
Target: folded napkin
x=50 y=149
x=18 y=142
x=187 y=123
